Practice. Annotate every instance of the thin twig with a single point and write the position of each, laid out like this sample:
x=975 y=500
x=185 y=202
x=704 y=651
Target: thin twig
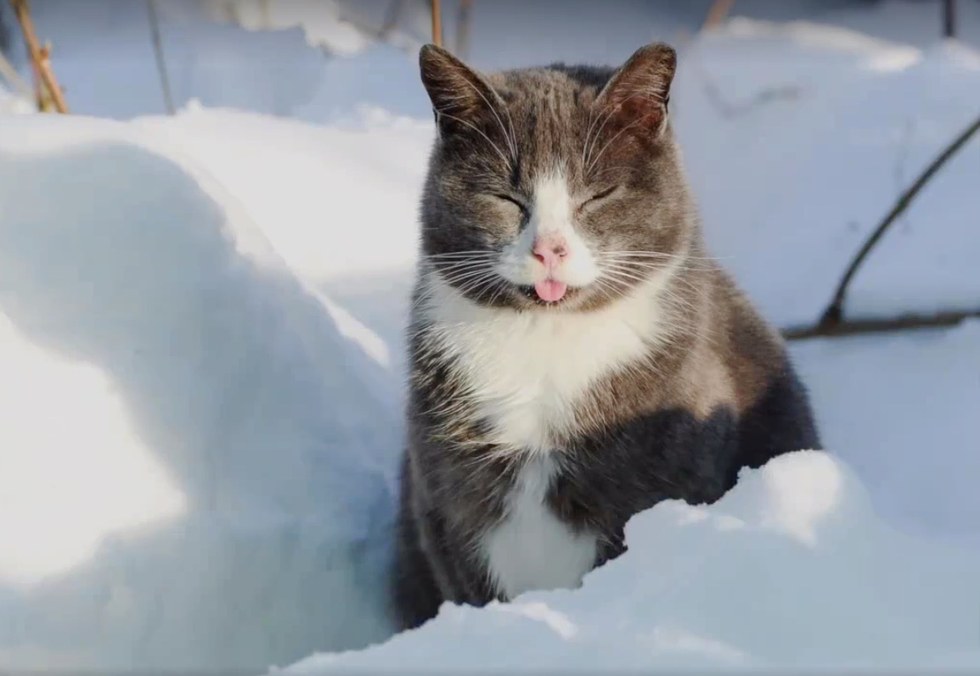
x=855 y=327
x=835 y=311
x=50 y=81
x=40 y=58
x=4 y=33
x=436 y=23
x=168 y=99
x=464 y=17
x=392 y=15
x=949 y=18
x=41 y=96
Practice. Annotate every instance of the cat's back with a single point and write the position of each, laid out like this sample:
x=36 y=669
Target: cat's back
x=770 y=400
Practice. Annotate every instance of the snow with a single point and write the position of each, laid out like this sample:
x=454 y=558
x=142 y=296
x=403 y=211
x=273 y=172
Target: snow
x=323 y=23
x=371 y=220
x=117 y=75
x=847 y=122
x=87 y=408
x=13 y=103
x=791 y=569
x=198 y=458
x=201 y=322
x=902 y=409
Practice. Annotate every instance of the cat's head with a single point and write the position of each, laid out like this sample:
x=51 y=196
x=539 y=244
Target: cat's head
x=553 y=188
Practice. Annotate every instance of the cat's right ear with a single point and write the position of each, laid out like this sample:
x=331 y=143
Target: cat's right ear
x=637 y=94
x=458 y=93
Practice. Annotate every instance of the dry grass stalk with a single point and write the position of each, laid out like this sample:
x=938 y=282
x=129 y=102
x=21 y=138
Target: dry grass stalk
x=437 y=23
x=47 y=89
x=719 y=10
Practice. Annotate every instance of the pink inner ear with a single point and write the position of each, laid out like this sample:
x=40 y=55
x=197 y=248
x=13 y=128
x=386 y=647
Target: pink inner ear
x=642 y=112
x=639 y=91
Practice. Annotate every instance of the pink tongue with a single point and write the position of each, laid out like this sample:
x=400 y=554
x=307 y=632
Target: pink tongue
x=550 y=290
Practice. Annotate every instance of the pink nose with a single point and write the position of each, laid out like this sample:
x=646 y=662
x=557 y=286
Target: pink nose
x=550 y=250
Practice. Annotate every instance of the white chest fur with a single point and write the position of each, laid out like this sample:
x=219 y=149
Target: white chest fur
x=531 y=548
x=527 y=371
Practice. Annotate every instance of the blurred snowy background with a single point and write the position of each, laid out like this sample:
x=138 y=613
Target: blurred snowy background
x=204 y=274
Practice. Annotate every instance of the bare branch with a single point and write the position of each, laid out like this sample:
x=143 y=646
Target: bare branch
x=949 y=18
x=833 y=315
x=464 y=18
x=854 y=327
x=168 y=99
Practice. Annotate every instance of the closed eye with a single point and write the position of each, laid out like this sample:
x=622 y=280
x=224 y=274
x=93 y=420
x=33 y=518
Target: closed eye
x=513 y=200
x=601 y=195
x=525 y=212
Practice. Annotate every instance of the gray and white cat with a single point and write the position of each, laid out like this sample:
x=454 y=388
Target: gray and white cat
x=575 y=357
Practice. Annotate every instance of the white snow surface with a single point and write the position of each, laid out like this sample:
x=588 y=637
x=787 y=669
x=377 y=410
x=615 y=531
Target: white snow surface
x=195 y=451
x=322 y=22
x=789 y=570
x=841 y=124
x=201 y=324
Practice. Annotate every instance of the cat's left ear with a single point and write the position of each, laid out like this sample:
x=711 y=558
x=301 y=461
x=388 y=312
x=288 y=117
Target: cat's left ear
x=638 y=93
x=459 y=94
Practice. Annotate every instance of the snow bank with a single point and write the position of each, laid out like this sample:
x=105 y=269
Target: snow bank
x=338 y=203
x=104 y=58
x=791 y=569
x=771 y=117
x=800 y=137
x=902 y=409
x=201 y=318
x=196 y=453
x=323 y=23
x=334 y=201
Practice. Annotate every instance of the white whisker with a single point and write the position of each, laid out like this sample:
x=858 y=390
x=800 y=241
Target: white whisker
x=459 y=254
x=610 y=112
x=478 y=131
x=610 y=142
x=511 y=142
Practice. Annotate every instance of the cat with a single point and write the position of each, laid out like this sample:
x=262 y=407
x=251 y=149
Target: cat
x=575 y=356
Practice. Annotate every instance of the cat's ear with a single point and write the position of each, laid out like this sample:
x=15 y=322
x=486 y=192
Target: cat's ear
x=458 y=93
x=638 y=93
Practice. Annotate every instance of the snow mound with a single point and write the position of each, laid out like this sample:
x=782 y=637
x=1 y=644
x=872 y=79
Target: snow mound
x=323 y=23
x=800 y=137
x=337 y=203
x=790 y=569
x=902 y=409
x=196 y=450
x=365 y=176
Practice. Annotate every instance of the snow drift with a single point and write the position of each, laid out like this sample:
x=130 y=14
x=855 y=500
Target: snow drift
x=199 y=419
x=800 y=137
x=790 y=569
x=195 y=458
x=902 y=409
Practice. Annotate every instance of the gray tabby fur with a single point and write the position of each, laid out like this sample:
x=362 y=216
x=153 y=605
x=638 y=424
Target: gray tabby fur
x=714 y=390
